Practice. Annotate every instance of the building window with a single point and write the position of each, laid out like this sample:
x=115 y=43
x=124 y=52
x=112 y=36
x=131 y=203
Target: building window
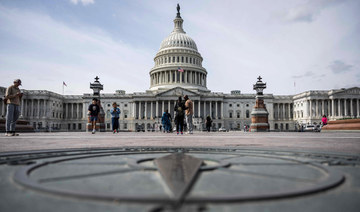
x=247 y=105
x=178 y=59
x=238 y=105
x=79 y=126
x=125 y=105
x=125 y=126
x=190 y=60
x=230 y=115
x=108 y=125
x=182 y=59
x=238 y=115
x=186 y=59
x=125 y=116
x=230 y=105
x=247 y=113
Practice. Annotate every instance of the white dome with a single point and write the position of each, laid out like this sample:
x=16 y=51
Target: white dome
x=178 y=39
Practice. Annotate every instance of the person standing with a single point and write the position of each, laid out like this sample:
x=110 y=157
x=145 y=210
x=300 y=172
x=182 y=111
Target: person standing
x=208 y=123
x=179 y=117
x=13 y=99
x=93 y=111
x=115 y=114
x=165 y=120
x=189 y=112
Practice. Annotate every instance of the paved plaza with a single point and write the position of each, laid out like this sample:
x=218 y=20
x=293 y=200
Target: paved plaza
x=319 y=142
x=154 y=171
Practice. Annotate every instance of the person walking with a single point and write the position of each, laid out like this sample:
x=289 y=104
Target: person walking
x=189 y=112
x=179 y=117
x=115 y=113
x=12 y=99
x=93 y=111
x=165 y=120
x=208 y=123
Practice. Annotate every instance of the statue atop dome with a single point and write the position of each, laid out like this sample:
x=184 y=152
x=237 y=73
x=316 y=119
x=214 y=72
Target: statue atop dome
x=178 y=11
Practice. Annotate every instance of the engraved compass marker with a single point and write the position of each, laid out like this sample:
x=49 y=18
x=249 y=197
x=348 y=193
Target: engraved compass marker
x=179 y=172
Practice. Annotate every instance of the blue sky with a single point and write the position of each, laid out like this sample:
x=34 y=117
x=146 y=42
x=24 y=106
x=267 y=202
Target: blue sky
x=313 y=44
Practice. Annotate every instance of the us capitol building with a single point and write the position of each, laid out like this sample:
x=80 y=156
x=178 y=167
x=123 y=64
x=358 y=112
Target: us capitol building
x=48 y=110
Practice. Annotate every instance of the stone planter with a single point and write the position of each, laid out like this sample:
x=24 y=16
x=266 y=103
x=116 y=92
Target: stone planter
x=343 y=125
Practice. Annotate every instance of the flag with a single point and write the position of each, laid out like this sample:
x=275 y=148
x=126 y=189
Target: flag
x=180 y=69
x=64 y=83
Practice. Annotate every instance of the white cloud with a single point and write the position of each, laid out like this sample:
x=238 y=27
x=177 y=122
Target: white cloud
x=84 y=2
x=338 y=66
x=309 y=11
x=75 y=55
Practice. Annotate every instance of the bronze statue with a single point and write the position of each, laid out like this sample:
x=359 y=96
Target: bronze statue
x=178 y=8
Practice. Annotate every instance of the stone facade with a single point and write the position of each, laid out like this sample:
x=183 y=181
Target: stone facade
x=47 y=110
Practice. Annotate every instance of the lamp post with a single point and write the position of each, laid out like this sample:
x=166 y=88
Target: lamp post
x=96 y=86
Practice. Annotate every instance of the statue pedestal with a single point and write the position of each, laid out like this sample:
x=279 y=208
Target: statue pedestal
x=259 y=116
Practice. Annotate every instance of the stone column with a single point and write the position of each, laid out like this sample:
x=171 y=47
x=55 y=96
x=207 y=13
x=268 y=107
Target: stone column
x=199 y=108
x=134 y=109
x=38 y=107
x=32 y=108
x=289 y=111
x=196 y=77
x=210 y=108
x=278 y=111
x=284 y=111
x=358 y=108
x=205 y=110
x=162 y=107
x=310 y=109
x=322 y=107
x=78 y=111
x=171 y=76
x=140 y=115
x=45 y=108
x=72 y=111
x=316 y=108
x=157 y=109
x=22 y=108
x=345 y=108
x=186 y=74
x=216 y=112
x=145 y=110
x=332 y=107
x=169 y=103
x=328 y=108
x=152 y=110
x=176 y=76
x=84 y=111
x=222 y=110
x=339 y=107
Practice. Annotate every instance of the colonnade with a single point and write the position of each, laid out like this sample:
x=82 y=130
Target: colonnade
x=74 y=110
x=283 y=111
x=154 y=109
x=336 y=107
x=175 y=76
x=35 y=108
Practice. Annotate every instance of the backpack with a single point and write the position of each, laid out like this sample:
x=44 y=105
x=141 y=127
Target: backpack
x=179 y=110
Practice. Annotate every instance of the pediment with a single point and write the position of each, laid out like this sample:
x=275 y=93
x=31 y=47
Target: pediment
x=178 y=91
x=350 y=91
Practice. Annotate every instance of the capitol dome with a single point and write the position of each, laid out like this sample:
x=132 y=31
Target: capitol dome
x=178 y=62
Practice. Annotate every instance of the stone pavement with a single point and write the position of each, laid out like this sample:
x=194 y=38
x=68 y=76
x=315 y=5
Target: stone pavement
x=229 y=171
x=320 y=142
